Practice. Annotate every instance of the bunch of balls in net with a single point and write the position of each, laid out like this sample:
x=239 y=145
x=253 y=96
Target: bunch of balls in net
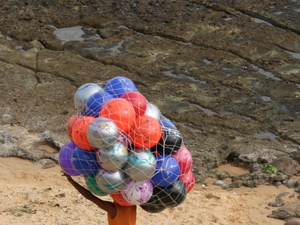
x=124 y=147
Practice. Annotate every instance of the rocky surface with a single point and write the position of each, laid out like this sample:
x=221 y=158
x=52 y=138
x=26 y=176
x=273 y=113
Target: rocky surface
x=288 y=211
x=226 y=73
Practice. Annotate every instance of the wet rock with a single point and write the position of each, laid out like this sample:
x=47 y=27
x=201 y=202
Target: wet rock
x=222 y=184
x=18 y=142
x=279 y=178
x=250 y=180
x=109 y=32
x=255 y=168
x=236 y=183
x=47 y=163
x=278 y=203
x=292 y=183
x=297 y=189
x=223 y=175
x=286 y=165
x=288 y=211
x=293 y=221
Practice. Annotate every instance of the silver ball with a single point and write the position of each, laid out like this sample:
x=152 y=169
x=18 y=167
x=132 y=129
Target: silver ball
x=140 y=165
x=111 y=181
x=113 y=159
x=102 y=133
x=83 y=93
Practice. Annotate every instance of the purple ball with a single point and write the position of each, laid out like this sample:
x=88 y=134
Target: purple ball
x=64 y=159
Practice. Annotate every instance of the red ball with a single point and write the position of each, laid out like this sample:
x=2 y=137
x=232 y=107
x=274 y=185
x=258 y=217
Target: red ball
x=146 y=133
x=184 y=159
x=79 y=132
x=119 y=199
x=188 y=180
x=138 y=101
x=121 y=112
x=72 y=121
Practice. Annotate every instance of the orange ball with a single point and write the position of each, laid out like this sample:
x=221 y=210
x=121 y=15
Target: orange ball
x=118 y=198
x=121 y=112
x=146 y=133
x=79 y=132
x=72 y=121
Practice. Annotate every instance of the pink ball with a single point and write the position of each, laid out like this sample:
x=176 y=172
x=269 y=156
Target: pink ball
x=184 y=159
x=138 y=101
x=188 y=180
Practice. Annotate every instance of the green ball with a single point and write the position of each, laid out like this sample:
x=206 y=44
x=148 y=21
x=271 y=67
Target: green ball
x=93 y=187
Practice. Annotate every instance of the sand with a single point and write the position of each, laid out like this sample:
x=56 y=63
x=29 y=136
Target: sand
x=32 y=195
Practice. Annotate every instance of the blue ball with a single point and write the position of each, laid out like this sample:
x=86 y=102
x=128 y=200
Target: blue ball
x=117 y=86
x=85 y=161
x=167 y=171
x=167 y=123
x=95 y=102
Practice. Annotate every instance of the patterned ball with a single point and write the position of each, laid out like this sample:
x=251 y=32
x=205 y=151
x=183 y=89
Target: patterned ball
x=92 y=185
x=111 y=181
x=114 y=158
x=137 y=192
x=140 y=165
x=102 y=132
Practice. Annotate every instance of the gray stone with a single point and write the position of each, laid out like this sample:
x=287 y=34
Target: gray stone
x=294 y=221
x=286 y=165
x=47 y=163
x=288 y=211
x=221 y=183
x=223 y=175
x=292 y=183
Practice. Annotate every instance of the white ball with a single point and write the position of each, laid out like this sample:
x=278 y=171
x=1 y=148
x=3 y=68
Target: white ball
x=137 y=192
x=153 y=111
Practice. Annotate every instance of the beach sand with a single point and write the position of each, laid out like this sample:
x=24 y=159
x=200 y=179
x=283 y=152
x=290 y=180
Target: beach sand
x=32 y=195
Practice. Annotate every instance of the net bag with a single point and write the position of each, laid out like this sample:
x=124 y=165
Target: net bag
x=125 y=147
